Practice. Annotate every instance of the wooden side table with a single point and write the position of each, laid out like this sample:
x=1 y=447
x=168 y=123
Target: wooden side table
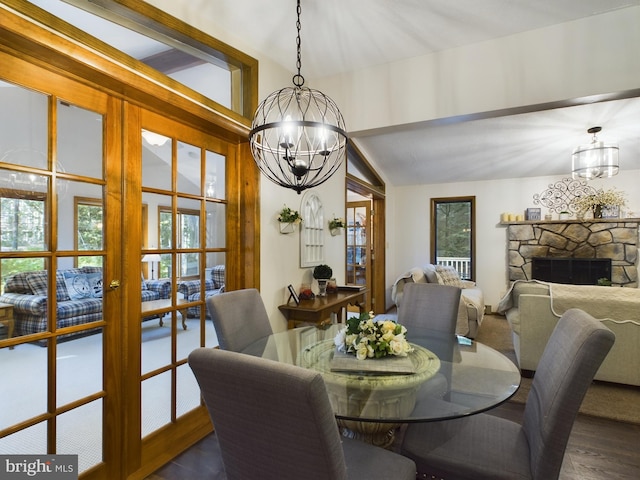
x=318 y=310
x=6 y=318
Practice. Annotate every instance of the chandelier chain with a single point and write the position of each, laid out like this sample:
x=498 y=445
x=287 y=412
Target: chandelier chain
x=298 y=79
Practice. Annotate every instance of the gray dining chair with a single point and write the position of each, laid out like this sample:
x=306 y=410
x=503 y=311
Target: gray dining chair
x=486 y=447
x=239 y=318
x=274 y=421
x=431 y=305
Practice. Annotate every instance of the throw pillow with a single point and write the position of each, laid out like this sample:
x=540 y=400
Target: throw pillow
x=430 y=273
x=448 y=276
x=77 y=286
x=417 y=274
x=95 y=284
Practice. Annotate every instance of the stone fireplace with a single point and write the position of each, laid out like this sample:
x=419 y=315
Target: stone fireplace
x=616 y=239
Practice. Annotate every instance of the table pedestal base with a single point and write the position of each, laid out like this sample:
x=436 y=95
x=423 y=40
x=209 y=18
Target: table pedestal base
x=379 y=434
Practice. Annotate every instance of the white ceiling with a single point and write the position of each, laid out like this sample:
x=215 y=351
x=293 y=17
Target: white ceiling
x=343 y=35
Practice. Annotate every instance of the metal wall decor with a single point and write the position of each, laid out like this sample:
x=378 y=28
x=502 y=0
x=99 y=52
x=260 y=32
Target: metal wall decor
x=562 y=195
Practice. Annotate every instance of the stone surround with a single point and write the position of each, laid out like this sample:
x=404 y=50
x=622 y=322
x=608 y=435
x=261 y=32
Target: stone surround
x=616 y=239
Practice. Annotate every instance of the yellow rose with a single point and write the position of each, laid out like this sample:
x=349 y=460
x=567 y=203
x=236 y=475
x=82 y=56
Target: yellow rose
x=362 y=352
x=388 y=326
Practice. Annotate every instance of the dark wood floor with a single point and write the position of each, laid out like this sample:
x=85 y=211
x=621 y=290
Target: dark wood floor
x=598 y=449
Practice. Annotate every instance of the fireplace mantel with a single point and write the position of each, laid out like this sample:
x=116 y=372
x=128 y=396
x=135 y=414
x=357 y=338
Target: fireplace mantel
x=572 y=220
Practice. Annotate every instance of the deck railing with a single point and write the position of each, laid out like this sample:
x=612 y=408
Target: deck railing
x=461 y=264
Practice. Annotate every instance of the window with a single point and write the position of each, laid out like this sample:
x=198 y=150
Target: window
x=88 y=229
x=22 y=221
x=453 y=234
x=188 y=236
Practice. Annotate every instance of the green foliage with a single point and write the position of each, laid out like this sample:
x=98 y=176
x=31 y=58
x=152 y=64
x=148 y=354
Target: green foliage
x=322 y=272
x=287 y=215
x=453 y=229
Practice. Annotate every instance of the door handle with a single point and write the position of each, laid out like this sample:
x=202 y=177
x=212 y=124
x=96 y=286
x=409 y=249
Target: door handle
x=114 y=284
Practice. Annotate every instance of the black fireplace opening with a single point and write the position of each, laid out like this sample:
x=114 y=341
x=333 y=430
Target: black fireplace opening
x=575 y=271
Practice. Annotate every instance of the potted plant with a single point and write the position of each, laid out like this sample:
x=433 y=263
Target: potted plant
x=611 y=199
x=322 y=273
x=288 y=219
x=335 y=224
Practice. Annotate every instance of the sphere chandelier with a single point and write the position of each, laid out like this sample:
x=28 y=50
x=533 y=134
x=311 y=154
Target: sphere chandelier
x=298 y=137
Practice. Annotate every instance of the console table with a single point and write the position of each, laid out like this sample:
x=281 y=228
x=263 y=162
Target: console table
x=320 y=310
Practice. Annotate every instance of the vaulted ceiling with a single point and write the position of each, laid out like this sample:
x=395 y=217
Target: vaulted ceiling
x=345 y=35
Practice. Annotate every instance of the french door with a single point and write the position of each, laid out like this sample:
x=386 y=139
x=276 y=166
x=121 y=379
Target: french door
x=96 y=362
x=60 y=192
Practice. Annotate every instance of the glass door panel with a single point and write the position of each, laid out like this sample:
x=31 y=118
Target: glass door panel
x=53 y=394
x=186 y=227
x=358 y=243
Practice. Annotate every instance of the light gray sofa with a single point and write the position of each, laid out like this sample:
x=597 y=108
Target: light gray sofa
x=471 y=311
x=533 y=309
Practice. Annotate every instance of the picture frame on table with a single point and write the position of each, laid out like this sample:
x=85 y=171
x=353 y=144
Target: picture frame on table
x=293 y=294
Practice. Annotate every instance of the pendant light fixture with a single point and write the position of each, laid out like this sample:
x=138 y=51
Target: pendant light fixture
x=595 y=160
x=298 y=137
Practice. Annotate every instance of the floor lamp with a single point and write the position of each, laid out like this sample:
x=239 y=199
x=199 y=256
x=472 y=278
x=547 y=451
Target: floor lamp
x=152 y=258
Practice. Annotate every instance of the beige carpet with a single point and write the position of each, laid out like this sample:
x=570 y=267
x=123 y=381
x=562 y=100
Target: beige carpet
x=608 y=400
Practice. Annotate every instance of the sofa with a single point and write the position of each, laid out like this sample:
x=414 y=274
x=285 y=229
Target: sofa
x=78 y=296
x=471 y=311
x=533 y=308
x=191 y=291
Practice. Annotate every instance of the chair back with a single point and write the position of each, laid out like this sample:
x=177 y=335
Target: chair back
x=239 y=317
x=430 y=305
x=272 y=420
x=574 y=352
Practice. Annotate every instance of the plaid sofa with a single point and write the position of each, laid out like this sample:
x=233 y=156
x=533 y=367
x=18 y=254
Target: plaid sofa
x=191 y=290
x=27 y=292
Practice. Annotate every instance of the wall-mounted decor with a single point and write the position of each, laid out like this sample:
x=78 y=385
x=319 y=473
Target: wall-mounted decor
x=288 y=219
x=563 y=195
x=312 y=231
x=336 y=224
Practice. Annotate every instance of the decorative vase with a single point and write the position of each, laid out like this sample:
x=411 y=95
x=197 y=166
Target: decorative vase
x=335 y=231
x=597 y=211
x=287 y=228
x=322 y=285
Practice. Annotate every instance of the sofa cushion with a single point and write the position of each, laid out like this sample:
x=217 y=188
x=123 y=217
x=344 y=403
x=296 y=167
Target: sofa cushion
x=448 y=276
x=37 y=282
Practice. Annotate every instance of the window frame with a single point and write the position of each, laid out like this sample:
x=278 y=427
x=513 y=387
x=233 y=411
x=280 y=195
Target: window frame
x=435 y=202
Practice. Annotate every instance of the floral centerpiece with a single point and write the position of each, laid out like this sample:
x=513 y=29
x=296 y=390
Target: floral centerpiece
x=369 y=338
x=599 y=200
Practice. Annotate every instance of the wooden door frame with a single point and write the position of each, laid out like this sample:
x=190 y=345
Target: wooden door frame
x=378 y=262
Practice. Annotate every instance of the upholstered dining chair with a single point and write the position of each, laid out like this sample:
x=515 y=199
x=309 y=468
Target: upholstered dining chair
x=239 y=318
x=486 y=447
x=274 y=421
x=429 y=304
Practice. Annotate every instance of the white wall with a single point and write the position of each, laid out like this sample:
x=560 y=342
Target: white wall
x=280 y=254
x=409 y=230
x=595 y=55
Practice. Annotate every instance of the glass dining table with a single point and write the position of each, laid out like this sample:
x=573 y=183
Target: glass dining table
x=442 y=378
